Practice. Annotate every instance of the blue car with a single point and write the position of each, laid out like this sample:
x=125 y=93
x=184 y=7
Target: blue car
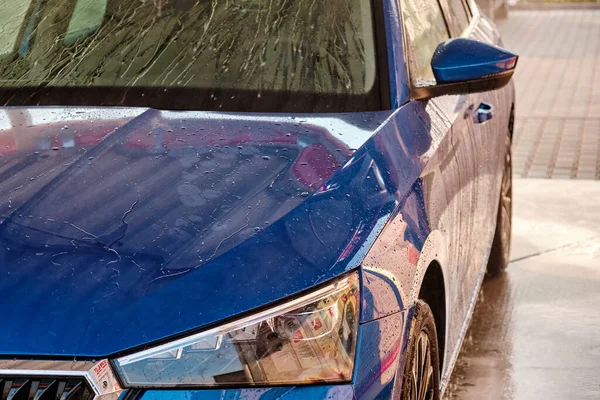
x=247 y=199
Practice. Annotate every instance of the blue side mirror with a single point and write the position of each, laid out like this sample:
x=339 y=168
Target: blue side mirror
x=466 y=66
x=460 y=59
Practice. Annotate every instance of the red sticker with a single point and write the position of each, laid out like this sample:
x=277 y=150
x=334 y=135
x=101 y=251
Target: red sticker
x=101 y=367
x=297 y=336
x=317 y=324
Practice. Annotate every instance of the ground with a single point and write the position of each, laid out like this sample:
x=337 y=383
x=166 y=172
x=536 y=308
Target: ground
x=558 y=92
x=535 y=332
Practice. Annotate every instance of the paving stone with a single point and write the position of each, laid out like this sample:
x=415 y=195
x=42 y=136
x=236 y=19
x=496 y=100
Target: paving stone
x=557 y=126
x=587 y=175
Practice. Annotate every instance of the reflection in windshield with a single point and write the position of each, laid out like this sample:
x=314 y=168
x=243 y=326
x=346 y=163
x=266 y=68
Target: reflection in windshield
x=86 y=19
x=261 y=46
x=12 y=18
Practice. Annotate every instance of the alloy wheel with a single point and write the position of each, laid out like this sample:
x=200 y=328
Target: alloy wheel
x=422 y=370
x=506 y=206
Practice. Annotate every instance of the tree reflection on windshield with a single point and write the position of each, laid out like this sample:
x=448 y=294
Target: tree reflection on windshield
x=246 y=45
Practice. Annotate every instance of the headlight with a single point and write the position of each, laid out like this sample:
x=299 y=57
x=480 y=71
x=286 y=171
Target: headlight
x=310 y=339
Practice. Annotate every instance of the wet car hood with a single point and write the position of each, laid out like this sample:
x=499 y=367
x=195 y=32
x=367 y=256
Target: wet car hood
x=121 y=227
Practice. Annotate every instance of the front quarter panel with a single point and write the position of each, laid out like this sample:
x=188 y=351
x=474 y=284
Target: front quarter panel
x=390 y=266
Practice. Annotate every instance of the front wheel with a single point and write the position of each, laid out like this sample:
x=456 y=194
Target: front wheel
x=500 y=252
x=421 y=380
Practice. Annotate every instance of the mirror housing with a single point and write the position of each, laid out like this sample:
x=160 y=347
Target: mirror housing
x=462 y=66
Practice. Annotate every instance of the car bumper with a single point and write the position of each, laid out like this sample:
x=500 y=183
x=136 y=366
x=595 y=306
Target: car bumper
x=287 y=393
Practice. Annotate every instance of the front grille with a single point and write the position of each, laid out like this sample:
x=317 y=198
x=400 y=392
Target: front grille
x=22 y=388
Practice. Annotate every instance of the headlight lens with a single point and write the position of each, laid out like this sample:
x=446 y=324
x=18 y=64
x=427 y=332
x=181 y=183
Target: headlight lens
x=310 y=339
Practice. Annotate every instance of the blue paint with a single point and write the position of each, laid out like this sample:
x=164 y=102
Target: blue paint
x=398 y=71
x=462 y=59
x=276 y=393
x=148 y=225
x=128 y=299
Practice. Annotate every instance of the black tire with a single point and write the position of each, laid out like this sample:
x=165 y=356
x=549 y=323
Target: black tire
x=423 y=330
x=500 y=253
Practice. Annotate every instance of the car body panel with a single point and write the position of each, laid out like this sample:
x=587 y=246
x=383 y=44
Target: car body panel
x=459 y=186
x=239 y=195
x=276 y=393
x=125 y=304
x=398 y=69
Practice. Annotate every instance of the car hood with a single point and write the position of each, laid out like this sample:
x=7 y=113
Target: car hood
x=122 y=227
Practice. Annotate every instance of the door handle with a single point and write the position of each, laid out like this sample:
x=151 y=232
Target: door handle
x=485 y=112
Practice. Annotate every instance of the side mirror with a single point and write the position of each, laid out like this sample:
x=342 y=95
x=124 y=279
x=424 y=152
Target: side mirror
x=463 y=66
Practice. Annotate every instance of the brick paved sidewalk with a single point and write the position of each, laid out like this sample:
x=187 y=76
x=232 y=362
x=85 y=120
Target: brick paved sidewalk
x=558 y=92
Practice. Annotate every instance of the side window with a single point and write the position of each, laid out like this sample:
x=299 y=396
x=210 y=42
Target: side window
x=425 y=28
x=458 y=12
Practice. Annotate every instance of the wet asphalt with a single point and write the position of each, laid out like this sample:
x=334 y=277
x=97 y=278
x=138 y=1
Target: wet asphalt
x=535 y=332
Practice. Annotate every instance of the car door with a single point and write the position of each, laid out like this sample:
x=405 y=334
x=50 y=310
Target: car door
x=489 y=138
x=461 y=23
x=455 y=161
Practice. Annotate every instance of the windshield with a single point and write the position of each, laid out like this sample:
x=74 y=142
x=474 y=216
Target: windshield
x=239 y=55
